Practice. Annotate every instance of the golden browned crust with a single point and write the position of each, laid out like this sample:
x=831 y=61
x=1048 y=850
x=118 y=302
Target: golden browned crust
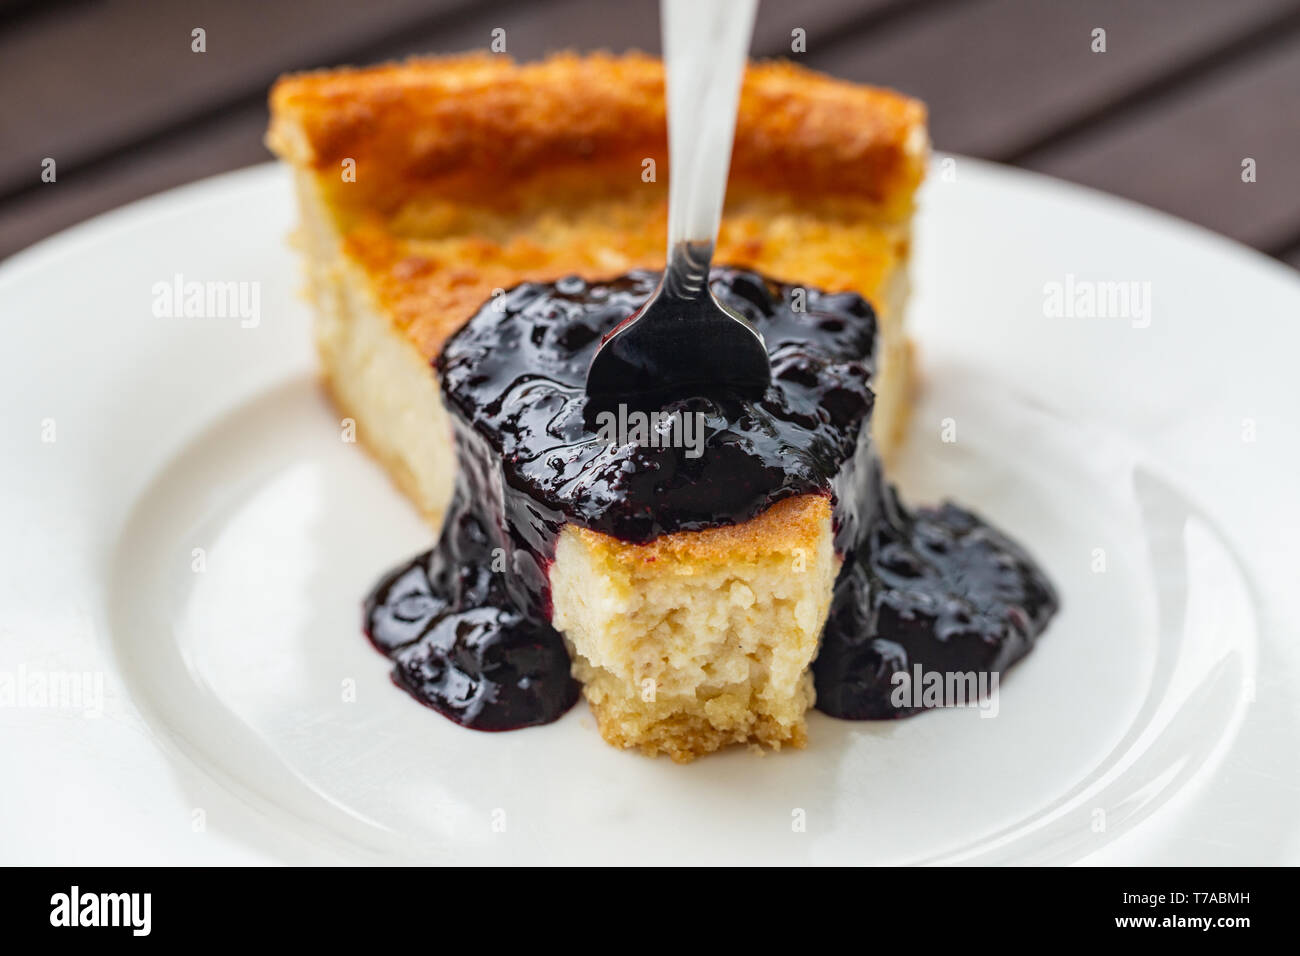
x=473 y=122
x=474 y=174
x=793 y=523
x=684 y=737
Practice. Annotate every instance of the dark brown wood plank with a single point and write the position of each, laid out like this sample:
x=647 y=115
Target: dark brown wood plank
x=1183 y=151
x=1000 y=76
x=224 y=144
x=98 y=77
x=824 y=21
x=1291 y=254
x=534 y=29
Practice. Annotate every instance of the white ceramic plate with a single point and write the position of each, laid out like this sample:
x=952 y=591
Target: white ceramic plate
x=187 y=539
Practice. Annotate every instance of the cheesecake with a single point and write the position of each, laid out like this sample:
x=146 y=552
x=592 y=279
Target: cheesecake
x=471 y=228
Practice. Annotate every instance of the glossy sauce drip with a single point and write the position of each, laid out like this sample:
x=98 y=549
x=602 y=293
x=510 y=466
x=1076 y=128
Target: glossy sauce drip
x=467 y=624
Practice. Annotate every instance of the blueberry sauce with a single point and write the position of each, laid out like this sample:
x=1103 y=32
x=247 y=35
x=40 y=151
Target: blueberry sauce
x=467 y=624
x=936 y=588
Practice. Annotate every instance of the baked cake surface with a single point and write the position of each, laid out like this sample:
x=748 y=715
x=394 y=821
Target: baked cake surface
x=431 y=186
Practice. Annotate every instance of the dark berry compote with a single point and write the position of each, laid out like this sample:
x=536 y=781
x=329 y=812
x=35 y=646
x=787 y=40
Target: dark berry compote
x=467 y=624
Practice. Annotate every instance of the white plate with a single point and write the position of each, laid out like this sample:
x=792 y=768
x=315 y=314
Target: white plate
x=1156 y=721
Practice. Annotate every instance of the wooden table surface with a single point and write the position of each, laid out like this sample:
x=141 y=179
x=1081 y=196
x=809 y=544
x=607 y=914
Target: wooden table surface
x=1184 y=93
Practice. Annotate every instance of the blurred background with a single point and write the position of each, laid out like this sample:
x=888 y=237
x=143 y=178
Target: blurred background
x=1183 y=94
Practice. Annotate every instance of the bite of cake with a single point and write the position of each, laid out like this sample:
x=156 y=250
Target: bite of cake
x=699 y=639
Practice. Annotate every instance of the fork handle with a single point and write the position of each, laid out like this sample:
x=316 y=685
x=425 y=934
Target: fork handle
x=706 y=44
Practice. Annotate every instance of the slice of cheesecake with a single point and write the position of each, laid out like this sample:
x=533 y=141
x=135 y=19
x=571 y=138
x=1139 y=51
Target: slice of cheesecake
x=430 y=188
